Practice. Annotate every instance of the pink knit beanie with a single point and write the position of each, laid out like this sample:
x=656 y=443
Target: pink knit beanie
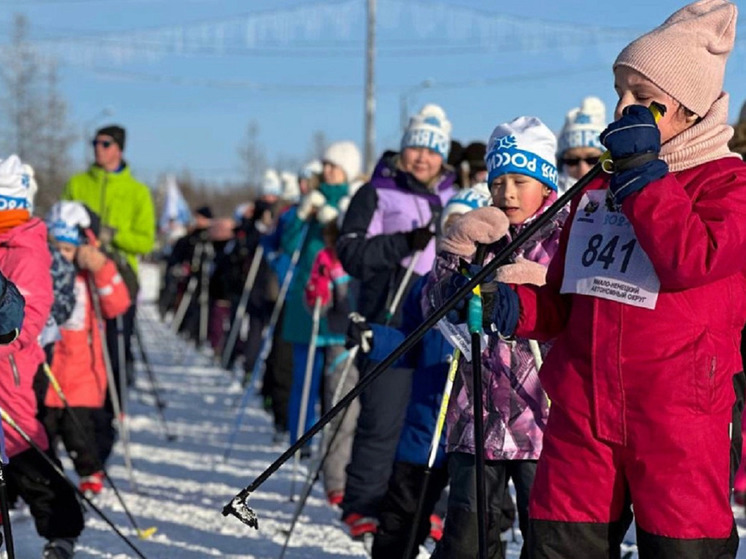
x=686 y=55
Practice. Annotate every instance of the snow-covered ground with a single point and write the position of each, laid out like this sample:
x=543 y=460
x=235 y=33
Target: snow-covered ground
x=183 y=485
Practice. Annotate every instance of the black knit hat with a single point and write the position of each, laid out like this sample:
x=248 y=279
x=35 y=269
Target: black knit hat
x=474 y=155
x=204 y=211
x=117 y=133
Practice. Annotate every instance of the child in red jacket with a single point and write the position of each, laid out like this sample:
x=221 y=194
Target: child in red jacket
x=78 y=362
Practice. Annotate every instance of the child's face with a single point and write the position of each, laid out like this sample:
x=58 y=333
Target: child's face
x=333 y=174
x=67 y=250
x=519 y=196
x=635 y=89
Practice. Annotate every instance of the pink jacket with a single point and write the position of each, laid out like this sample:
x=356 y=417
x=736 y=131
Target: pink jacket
x=25 y=260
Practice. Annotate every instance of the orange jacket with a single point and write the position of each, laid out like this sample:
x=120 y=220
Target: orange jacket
x=78 y=362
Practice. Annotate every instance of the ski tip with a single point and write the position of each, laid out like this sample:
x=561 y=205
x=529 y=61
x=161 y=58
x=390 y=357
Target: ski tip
x=146 y=533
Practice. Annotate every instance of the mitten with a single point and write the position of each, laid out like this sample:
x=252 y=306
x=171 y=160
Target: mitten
x=634 y=142
x=484 y=225
x=310 y=204
x=522 y=271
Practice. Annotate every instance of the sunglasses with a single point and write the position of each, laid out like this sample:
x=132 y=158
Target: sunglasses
x=575 y=161
x=102 y=143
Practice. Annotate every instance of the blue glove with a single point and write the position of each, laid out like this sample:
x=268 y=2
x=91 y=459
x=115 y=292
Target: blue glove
x=634 y=142
x=459 y=313
x=501 y=310
x=12 y=304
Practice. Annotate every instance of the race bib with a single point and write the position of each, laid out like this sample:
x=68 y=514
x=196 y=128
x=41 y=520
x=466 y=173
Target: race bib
x=459 y=337
x=604 y=258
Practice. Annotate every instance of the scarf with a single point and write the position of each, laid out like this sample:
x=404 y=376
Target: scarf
x=705 y=141
x=13 y=218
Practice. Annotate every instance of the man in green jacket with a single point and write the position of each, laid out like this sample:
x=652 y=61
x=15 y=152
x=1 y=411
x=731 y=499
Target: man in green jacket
x=127 y=231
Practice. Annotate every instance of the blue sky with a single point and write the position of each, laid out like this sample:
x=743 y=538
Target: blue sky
x=187 y=76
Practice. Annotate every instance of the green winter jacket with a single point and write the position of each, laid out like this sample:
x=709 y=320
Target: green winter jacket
x=123 y=204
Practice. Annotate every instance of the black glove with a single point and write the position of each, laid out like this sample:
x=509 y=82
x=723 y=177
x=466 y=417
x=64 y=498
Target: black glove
x=359 y=333
x=418 y=239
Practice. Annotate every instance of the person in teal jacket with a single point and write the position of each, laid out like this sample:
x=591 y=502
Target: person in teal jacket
x=317 y=208
x=127 y=231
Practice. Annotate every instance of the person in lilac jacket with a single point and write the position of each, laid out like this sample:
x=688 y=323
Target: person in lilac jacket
x=391 y=219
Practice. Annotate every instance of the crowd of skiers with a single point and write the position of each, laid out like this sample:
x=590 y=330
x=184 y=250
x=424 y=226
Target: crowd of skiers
x=610 y=375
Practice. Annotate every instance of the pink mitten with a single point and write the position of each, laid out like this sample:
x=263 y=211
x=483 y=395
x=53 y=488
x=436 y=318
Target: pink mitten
x=483 y=225
x=522 y=271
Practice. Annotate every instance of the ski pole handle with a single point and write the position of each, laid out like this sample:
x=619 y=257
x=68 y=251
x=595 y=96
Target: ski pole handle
x=474 y=317
x=658 y=110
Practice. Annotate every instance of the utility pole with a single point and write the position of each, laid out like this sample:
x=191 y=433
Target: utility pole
x=370 y=98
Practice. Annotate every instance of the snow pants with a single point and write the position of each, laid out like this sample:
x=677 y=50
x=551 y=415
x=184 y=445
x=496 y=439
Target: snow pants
x=340 y=447
x=678 y=481
x=76 y=434
x=278 y=377
x=399 y=507
x=52 y=502
x=383 y=406
x=460 y=537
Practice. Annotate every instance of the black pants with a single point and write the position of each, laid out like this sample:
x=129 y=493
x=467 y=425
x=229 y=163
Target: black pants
x=399 y=506
x=383 y=405
x=278 y=377
x=52 y=502
x=75 y=427
x=460 y=537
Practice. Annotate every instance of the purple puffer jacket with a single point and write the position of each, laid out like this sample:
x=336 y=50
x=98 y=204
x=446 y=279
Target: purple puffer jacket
x=515 y=406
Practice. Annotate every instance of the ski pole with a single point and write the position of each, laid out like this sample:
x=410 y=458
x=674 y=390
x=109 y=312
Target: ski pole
x=434 y=445
x=241 y=310
x=142 y=534
x=5 y=509
x=238 y=506
x=303 y=413
x=402 y=286
x=314 y=473
x=113 y=392
x=536 y=352
x=267 y=339
x=186 y=299
x=475 y=328
x=159 y=403
x=17 y=428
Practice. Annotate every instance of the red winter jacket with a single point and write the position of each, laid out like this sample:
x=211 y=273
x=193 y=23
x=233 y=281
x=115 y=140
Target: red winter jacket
x=25 y=260
x=638 y=366
x=78 y=362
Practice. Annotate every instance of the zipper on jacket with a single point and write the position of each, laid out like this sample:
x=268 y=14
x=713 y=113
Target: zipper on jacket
x=14 y=368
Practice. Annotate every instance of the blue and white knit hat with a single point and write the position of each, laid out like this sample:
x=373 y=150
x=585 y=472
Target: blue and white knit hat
x=65 y=220
x=478 y=196
x=431 y=129
x=524 y=146
x=583 y=125
x=17 y=184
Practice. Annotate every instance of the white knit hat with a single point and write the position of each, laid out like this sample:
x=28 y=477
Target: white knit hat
x=271 y=185
x=524 y=146
x=65 y=219
x=16 y=184
x=582 y=126
x=431 y=129
x=313 y=167
x=346 y=156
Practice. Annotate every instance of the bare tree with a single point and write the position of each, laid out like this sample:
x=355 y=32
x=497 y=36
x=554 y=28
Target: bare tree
x=252 y=155
x=34 y=113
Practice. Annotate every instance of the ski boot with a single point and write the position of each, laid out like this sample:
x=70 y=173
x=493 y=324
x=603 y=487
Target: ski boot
x=59 y=548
